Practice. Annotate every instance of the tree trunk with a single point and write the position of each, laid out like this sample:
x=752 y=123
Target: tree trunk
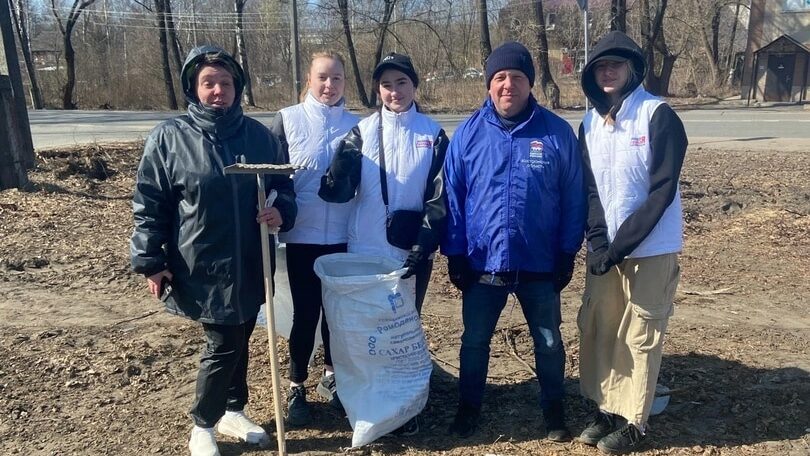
x=389 y=10
x=164 y=51
x=241 y=46
x=16 y=147
x=19 y=11
x=710 y=38
x=70 y=65
x=618 y=15
x=173 y=42
x=66 y=28
x=730 y=53
x=486 y=46
x=656 y=82
x=547 y=84
x=343 y=5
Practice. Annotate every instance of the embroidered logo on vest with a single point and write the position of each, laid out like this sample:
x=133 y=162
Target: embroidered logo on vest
x=423 y=144
x=638 y=141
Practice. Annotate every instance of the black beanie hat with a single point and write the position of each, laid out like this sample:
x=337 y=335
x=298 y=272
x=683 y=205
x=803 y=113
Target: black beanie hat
x=394 y=61
x=510 y=56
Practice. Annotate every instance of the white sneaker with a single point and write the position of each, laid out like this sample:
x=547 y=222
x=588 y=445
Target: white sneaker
x=236 y=424
x=203 y=442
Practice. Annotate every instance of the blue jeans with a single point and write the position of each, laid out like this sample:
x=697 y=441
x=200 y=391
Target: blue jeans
x=481 y=309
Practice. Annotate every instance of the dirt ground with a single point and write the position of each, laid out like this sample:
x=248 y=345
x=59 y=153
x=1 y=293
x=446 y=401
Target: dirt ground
x=91 y=365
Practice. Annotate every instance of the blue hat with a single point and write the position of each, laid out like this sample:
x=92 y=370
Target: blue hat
x=510 y=56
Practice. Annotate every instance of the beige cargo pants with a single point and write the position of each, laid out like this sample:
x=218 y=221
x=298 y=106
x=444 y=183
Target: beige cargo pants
x=622 y=322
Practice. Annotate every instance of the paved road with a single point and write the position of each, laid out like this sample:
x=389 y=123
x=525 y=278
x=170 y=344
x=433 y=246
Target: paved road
x=755 y=126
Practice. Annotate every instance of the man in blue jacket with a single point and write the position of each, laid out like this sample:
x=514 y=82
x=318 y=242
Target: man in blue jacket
x=516 y=217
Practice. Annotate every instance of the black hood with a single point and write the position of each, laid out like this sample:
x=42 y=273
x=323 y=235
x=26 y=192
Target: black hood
x=190 y=70
x=613 y=44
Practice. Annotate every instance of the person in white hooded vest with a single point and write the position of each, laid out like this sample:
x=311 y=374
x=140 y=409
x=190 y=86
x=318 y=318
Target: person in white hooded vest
x=633 y=146
x=309 y=133
x=391 y=166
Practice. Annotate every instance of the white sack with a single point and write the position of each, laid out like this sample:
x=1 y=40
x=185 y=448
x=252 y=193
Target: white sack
x=382 y=364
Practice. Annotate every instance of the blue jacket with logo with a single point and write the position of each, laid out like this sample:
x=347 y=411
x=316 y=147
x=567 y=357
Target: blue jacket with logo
x=515 y=198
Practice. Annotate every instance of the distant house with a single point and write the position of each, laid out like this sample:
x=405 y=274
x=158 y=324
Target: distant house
x=46 y=50
x=777 y=56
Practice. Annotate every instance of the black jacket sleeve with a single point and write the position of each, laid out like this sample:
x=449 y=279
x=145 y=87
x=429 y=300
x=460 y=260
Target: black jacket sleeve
x=434 y=221
x=668 y=147
x=341 y=180
x=596 y=232
x=283 y=184
x=277 y=128
x=152 y=205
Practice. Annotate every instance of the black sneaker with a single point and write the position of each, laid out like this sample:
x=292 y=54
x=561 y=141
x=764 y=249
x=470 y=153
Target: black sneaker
x=466 y=421
x=408 y=429
x=554 y=416
x=600 y=425
x=625 y=440
x=327 y=389
x=298 y=413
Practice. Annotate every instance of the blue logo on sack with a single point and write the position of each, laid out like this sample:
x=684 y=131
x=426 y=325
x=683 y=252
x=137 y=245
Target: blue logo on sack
x=396 y=301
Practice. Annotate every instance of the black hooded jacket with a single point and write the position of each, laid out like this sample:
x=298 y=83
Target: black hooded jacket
x=667 y=141
x=195 y=221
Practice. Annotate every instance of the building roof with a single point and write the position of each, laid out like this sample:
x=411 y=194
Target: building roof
x=784 y=40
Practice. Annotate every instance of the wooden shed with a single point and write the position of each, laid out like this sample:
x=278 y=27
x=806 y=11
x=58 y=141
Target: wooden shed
x=780 y=71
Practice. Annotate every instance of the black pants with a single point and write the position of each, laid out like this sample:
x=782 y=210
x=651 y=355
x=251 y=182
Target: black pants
x=305 y=288
x=422 y=275
x=222 y=379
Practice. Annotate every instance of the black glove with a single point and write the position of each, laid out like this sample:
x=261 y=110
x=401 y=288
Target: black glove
x=459 y=272
x=563 y=270
x=345 y=161
x=599 y=262
x=415 y=258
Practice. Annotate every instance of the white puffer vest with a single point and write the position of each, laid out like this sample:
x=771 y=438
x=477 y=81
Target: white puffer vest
x=313 y=132
x=620 y=158
x=408 y=138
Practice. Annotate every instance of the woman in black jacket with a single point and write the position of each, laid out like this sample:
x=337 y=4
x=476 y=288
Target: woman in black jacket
x=196 y=233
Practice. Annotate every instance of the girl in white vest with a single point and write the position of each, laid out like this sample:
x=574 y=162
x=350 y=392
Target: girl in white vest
x=310 y=132
x=633 y=147
x=391 y=165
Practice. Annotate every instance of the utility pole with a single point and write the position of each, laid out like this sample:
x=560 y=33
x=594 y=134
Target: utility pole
x=294 y=50
x=583 y=5
x=194 y=23
x=16 y=146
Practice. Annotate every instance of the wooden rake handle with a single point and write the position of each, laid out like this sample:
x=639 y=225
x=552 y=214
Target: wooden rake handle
x=271 y=323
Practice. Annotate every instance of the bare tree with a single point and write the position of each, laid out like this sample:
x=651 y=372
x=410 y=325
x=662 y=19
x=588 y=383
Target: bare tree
x=730 y=52
x=174 y=43
x=66 y=28
x=550 y=89
x=241 y=46
x=711 y=13
x=654 y=45
x=343 y=6
x=618 y=15
x=19 y=11
x=483 y=20
x=160 y=10
x=383 y=30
